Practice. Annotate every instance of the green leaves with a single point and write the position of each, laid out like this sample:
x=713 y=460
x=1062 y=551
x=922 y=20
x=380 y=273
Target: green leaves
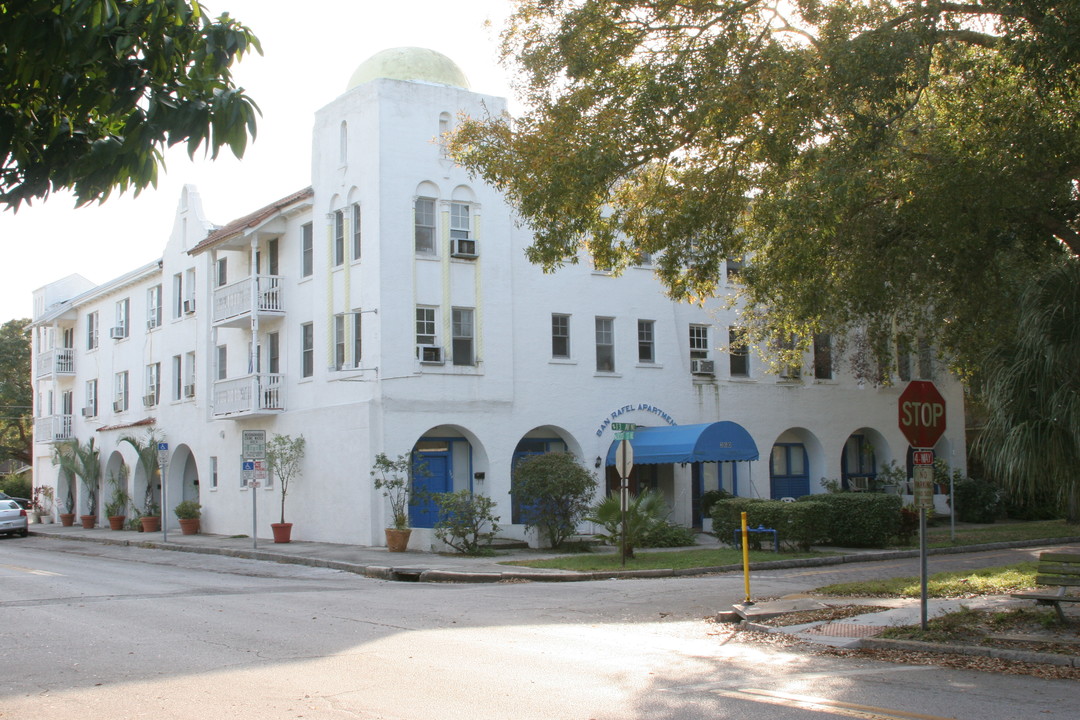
x=92 y=91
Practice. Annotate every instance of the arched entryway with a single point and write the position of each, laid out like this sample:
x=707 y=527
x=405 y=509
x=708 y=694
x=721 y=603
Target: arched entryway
x=538 y=441
x=445 y=459
x=865 y=450
x=796 y=457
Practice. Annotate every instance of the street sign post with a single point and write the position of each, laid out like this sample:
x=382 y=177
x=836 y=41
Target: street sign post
x=163 y=459
x=250 y=476
x=624 y=463
x=253 y=444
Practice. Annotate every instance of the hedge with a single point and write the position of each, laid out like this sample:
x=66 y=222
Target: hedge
x=841 y=519
x=858 y=519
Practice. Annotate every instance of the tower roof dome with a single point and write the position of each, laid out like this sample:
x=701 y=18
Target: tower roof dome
x=410 y=63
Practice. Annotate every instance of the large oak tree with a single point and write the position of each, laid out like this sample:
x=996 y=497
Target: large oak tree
x=92 y=91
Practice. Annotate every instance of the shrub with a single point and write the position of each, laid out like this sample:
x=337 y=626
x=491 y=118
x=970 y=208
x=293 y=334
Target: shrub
x=17 y=485
x=977 y=501
x=798 y=525
x=554 y=491
x=465 y=521
x=666 y=534
x=1044 y=506
x=710 y=498
x=644 y=512
x=858 y=519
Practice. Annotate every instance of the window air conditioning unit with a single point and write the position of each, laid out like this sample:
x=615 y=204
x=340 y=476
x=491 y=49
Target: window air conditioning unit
x=462 y=248
x=117 y=333
x=88 y=412
x=189 y=391
x=702 y=367
x=189 y=306
x=149 y=400
x=118 y=406
x=430 y=354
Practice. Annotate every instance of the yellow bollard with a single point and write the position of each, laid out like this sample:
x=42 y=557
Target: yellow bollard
x=746 y=559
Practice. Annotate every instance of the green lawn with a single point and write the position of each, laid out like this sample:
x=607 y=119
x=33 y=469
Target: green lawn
x=645 y=560
x=1000 y=580
x=938 y=536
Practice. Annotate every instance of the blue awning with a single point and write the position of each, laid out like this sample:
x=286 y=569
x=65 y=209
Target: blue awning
x=709 y=442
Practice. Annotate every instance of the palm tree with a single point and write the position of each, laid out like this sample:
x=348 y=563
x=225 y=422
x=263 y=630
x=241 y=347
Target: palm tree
x=84 y=461
x=1031 y=390
x=146 y=450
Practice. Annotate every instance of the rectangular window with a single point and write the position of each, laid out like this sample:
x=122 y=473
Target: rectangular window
x=123 y=313
x=339 y=237
x=153 y=384
x=222 y=272
x=699 y=342
x=273 y=353
x=339 y=341
x=272 y=256
x=177 y=377
x=91 y=399
x=463 y=336
x=738 y=353
x=189 y=291
x=425 y=225
x=153 y=307
x=120 y=392
x=823 y=357
x=307 y=352
x=425 y=326
x=605 y=344
x=560 y=336
x=926 y=360
x=307 y=257
x=92 y=331
x=178 y=295
x=459 y=222
x=734 y=268
x=792 y=371
x=357 y=339
x=222 y=365
x=646 y=349
x=356 y=231
x=213 y=472
x=189 y=375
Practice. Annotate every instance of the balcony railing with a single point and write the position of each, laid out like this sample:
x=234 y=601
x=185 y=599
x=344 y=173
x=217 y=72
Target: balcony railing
x=53 y=428
x=234 y=301
x=58 y=361
x=256 y=394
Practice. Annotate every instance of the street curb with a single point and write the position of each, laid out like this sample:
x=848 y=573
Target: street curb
x=462 y=576
x=971 y=650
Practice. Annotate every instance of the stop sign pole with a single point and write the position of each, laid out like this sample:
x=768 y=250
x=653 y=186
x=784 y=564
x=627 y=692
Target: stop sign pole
x=922 y=420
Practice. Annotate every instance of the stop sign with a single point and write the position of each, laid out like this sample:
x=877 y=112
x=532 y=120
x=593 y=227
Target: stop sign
x=922 y=414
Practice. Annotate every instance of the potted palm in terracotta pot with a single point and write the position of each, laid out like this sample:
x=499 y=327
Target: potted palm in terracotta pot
x=284 y=454
x=116 y=507
x=83 y=461
x=146 y=451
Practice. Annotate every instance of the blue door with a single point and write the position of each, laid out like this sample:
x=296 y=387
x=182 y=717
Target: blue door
x=431 y=474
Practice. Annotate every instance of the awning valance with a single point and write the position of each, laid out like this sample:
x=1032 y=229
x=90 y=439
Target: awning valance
x=709 y=442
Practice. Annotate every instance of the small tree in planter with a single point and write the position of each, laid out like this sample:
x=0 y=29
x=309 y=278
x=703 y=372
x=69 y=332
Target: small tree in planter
x=83 y=461
x=188 y=513
x=284 y=454
x=150 y=516
x=395 y=479
x=117 y=506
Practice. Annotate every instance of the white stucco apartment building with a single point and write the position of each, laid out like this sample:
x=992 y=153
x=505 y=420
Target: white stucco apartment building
x=388 y=307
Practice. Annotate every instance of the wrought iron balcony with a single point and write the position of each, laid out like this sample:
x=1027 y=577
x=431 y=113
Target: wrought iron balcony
x=255 y=394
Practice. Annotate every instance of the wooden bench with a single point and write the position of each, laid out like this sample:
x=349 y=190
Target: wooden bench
x=1056 y=569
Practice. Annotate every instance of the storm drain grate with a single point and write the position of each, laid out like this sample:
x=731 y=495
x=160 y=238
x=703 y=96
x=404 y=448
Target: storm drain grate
x=847 y=630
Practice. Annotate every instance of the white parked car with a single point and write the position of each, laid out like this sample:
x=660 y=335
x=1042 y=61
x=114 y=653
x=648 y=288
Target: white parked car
x=13 y=518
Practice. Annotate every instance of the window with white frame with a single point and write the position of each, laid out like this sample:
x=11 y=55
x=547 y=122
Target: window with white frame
x=646 y=343
x=213 y=472
x=356 y=245
x=189 y=291
x=926 y=360
x=123 y=316
x=189 y=375
x=222 y=366
x=605 y=344
x=177 y=377
x=460 y=227
x=738 y=353
x=153 y=307
x=699 y=342
x=307 y=254
x=222 y=271
x=91 y=407
x=357 y=338
x=92 y=331
x=424 y=223
x=307 y=350
x=178 y=295
x=734 y=268
x=792 y=370
x=464 y=332
x=339 y=341
x=560 y=336
x=425 y=326
x=339 y=237
x=823 y=360
x=153 y=384
x=120 y=391
x=273 y=353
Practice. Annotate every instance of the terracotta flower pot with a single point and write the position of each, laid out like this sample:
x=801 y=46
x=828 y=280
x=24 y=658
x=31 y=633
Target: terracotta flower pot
x=67 y=519
x=397 y=540
x=88 y=521
x=151 y=523
x=189 y=526
x=116 y=522
x=282 y=532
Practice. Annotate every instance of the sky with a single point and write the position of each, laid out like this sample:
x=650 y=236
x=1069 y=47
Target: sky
x=308 y=58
